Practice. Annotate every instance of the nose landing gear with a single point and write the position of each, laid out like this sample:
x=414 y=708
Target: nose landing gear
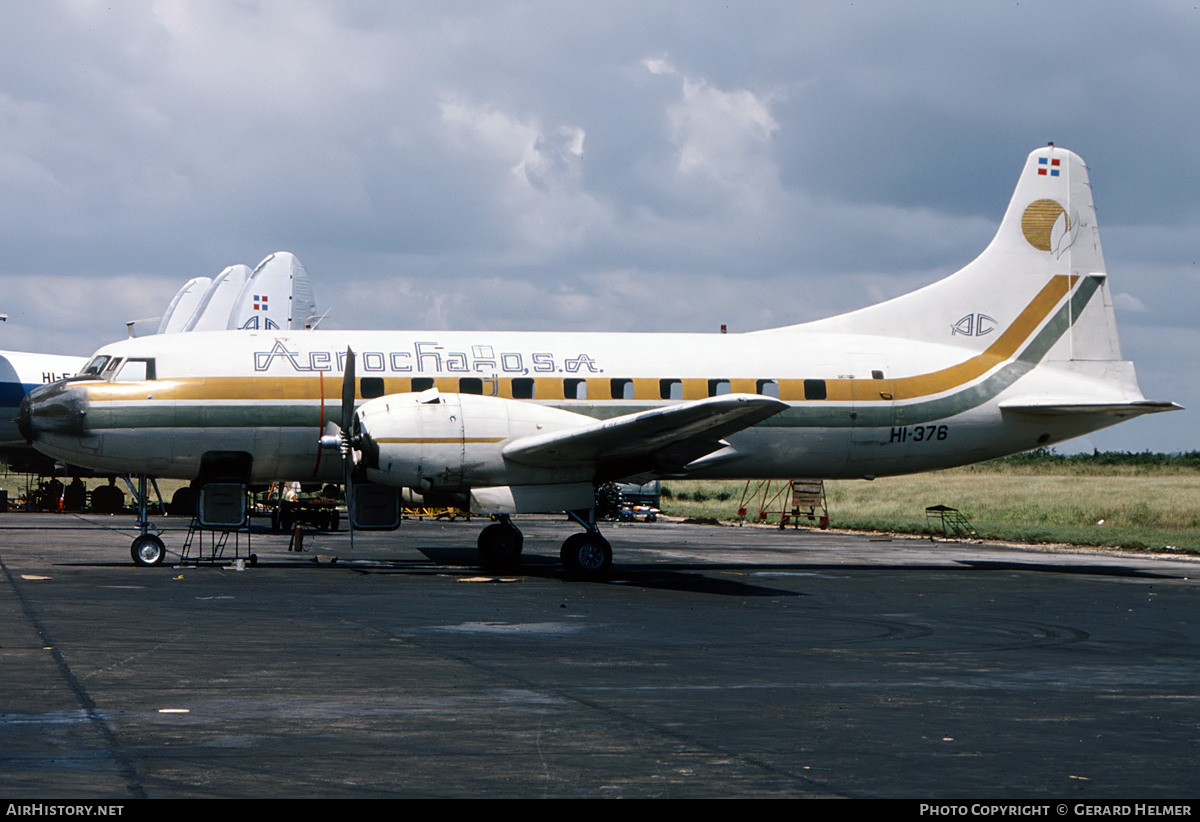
x=147 y=549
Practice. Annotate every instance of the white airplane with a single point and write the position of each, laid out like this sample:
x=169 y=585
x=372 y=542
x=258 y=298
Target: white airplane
x=1015 y=351
x=20 y=373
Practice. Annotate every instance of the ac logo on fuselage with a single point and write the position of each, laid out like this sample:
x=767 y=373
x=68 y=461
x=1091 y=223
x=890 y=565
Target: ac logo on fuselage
x=252 y=324
x=974 y=325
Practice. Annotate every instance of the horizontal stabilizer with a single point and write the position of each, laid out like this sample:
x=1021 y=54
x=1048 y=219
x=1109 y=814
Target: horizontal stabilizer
x=1056 y=408
x=663 y=438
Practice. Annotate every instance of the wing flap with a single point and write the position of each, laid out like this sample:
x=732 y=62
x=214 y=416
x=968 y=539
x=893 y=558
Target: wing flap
x=660 y=438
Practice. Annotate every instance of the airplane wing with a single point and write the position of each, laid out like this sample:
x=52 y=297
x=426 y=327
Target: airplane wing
x=661 y=440
x=1057 y=408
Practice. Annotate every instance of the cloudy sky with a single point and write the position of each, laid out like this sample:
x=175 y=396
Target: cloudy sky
x=588 y=165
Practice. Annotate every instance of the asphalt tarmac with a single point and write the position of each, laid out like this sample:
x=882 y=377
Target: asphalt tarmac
x=717 y=662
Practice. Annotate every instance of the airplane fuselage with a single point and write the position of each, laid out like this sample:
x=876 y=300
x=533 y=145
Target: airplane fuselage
x=858 y=405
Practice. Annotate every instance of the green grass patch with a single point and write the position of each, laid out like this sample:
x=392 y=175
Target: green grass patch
x=1123 y=503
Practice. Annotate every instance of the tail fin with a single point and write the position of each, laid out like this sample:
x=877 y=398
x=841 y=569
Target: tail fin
x=1045 y=256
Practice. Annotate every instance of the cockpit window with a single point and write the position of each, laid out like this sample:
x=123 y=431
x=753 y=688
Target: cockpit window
x=135 y=369
x=93 y=368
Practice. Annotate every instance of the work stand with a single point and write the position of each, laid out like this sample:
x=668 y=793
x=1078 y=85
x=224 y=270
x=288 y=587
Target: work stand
x=216 y=547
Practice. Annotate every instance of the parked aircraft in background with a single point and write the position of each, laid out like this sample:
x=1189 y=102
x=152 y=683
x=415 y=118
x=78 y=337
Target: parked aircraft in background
x=276 y=295
x=20 y=373
x=1017 y=350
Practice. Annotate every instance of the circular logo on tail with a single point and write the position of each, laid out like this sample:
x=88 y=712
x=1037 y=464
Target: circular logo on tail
x=1038 y=221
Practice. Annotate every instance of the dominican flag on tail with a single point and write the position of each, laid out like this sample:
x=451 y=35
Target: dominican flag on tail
x=1048 y=166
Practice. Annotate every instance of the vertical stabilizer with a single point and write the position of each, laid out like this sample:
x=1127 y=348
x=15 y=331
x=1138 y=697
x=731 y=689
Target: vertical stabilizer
x=184 y=305
x=1045 y=255
x=278 y=295
x=219 y=300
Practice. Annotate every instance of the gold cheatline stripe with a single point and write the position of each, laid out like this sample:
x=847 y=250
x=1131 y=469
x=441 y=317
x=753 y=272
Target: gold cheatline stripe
x=305 y=388
x=1004 y=348
x=936 y=382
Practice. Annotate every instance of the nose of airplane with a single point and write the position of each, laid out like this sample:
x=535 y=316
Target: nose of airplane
x=24 y=421
x=59 y=407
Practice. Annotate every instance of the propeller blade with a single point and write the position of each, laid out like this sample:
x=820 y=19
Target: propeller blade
x=348 y=392
x=347 y=448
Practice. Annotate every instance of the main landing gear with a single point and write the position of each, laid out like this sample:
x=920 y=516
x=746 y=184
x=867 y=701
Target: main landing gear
x=586 y=555
x=500 y=545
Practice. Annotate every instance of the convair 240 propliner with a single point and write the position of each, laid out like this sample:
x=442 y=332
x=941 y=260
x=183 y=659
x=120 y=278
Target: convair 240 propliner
x=1017 y=350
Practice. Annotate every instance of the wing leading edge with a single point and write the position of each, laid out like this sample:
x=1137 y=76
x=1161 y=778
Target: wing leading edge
x=663 y=440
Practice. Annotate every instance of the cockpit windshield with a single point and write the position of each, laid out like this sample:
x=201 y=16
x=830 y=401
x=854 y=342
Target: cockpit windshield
x=109 y=368
x=96 y=366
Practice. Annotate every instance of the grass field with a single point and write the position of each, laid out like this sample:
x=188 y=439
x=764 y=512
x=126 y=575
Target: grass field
x=1138 y=506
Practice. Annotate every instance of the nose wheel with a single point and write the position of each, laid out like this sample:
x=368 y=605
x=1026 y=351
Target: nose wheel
x=147 y=550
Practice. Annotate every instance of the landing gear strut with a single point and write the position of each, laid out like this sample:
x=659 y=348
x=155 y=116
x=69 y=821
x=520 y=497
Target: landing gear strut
x=587 y=555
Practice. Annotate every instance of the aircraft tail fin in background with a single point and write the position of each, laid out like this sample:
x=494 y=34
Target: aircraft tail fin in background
x=219 y=300
x=183 y=305
x=278 y=295
x=1044 y=265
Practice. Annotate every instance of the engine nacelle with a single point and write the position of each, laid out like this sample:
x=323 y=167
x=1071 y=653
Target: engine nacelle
x=451 y=442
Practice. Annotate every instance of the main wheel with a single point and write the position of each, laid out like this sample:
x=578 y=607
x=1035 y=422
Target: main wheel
x=148 y=550
x=587 y=555
x=500 y=546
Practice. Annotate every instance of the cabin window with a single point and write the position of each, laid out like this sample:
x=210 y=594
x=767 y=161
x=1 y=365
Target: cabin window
x=420 y=384
x=522 y=388
x=136 y=369
x=877 y=374
x=814 y=390
x=575 y=389
x=370 y=387
x=622 y=389
x=767 y=388
x=670 y=389
x=470 y=385
x=718 y=387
